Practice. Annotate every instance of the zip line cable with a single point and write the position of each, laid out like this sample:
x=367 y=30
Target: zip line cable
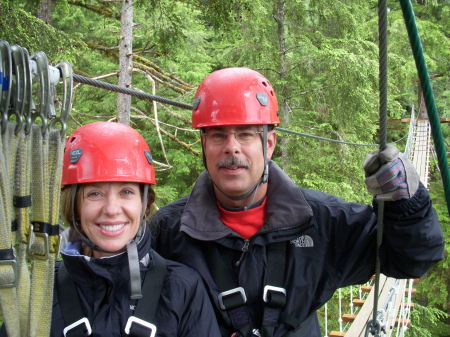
x=143 y=95
x=128 y=91
x=324 y=138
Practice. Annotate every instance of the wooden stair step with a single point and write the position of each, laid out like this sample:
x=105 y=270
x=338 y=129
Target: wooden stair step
x=413 y=291
x=358 y=302
x=336 y=334
x=366 y=289
x=403 y=322
x=408 y=305
x=348 y=318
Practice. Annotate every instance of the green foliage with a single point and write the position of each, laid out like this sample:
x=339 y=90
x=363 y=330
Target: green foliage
x=20 y=27
x=428 y=322
x=434 y=289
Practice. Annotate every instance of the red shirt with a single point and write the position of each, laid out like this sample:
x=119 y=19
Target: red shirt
x=246 y=223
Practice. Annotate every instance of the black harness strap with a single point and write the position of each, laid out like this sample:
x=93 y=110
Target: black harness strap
x=274 y=293
x=142 y=323
x=145 y=312
x=232 y=297
x=77 y=325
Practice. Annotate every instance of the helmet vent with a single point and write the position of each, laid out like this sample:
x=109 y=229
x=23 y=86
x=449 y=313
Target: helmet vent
x=72 y=139
x=264 y=83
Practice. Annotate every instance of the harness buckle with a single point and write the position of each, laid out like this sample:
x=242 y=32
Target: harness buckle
x=76 y=324
x=13 y=264
x=141 y=322
x=274 y=296
x=230 y=297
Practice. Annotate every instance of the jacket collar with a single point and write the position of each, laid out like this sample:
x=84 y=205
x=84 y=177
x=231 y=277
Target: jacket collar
x=286 y=207
x=85 y=269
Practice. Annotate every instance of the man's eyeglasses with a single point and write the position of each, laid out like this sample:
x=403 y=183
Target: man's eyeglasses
x=218 y=137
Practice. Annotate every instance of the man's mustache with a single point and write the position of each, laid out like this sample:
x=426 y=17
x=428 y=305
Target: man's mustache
x=232 y=161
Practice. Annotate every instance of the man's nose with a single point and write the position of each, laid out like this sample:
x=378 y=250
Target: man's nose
x=231 y=144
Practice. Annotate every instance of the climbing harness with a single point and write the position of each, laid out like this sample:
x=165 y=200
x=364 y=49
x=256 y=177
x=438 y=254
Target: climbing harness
x=223 y=264
x=141 y=324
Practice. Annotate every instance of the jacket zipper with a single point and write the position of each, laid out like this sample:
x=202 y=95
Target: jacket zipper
x=244 y=250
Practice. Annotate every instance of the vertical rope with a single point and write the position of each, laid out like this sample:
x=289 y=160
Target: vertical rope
x=383 y=78
x=373 y=326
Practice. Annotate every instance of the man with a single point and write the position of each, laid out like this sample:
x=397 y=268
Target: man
x=272 y=253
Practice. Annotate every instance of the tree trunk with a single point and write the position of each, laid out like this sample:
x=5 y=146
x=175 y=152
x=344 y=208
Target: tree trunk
x=125 y=61
x=282 y=102
x=44 y=10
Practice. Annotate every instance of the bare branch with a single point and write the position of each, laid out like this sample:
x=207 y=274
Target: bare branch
x=155 y=112
x=185 y=145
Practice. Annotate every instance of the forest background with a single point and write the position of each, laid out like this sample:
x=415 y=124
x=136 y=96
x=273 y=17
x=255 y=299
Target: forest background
x=320 y=55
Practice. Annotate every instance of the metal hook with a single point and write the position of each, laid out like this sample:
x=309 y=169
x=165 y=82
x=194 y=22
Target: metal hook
x=44 y=90
x=18 y=86
x=5 y=84
x=66 y=105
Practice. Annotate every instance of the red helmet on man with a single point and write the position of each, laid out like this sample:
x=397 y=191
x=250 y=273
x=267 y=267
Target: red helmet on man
x=107 y=152
x=235 y=96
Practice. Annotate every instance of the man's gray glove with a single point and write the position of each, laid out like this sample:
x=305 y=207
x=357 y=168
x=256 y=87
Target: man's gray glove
x=390 y=175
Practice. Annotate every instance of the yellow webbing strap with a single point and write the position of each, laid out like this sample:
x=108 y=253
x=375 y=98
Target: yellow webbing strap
x=38 y=243
x=22 y=189
x=43 y=249
x=8 y=295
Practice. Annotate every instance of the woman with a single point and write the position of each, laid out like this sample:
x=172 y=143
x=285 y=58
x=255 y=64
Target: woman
x=107 y=284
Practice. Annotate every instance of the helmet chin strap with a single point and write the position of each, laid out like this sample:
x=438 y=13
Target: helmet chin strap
x=264 y=178
x=131 y=247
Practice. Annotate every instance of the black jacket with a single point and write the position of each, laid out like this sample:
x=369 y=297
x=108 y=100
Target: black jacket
x=332 y=243
x=103 y=287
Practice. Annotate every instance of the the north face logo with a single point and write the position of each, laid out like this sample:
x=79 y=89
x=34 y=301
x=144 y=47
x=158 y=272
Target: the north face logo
x=303 y=241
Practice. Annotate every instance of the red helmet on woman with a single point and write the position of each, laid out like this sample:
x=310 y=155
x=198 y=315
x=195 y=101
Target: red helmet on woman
x=107 y=151
x=235 y=96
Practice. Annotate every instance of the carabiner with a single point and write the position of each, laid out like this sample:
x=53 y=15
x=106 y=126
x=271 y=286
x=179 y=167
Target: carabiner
x=44 y=93
x=18 y=87
x=373 y=327
x=66 y=73
x=5 y=84
x=28 y=97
